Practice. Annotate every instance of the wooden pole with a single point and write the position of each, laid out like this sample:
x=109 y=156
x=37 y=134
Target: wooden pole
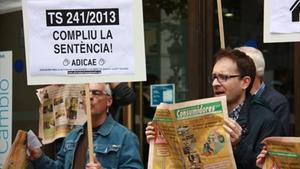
x=129 y=112
x=141 y=119
x=221 y=27
x=89 y=122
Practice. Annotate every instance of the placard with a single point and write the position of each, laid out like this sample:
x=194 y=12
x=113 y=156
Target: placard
x=276 y=25
x=76 y=41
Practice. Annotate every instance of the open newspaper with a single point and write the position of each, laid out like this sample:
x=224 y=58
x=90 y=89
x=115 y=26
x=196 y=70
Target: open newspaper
x=190 y=135
x=283 y=152
x=61 y=109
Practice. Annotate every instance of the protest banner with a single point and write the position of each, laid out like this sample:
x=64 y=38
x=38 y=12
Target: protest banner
x=98 y=41
x=75 y=42
x=281 y=21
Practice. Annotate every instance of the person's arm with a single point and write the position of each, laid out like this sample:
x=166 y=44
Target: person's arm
x=122 y=94
x=40 y=160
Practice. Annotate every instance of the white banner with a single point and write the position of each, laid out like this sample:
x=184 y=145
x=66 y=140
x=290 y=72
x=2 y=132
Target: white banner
x=281 y=21
x=91 y=38
x=5 y=104
x=285 y=16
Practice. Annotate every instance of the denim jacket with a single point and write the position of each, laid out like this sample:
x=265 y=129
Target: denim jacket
x=114 y=145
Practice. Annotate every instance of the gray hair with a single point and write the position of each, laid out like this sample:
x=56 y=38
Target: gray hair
x=107 y=89
x=257 y=58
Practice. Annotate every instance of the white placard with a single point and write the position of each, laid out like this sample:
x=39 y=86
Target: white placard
x=278 y=24
x=285 y=16
x=5 y=104
x=75 y=41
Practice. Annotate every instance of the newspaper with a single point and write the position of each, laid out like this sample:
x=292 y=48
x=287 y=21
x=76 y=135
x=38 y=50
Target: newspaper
x=191 y=135
x=61 y=109
x=283 y=152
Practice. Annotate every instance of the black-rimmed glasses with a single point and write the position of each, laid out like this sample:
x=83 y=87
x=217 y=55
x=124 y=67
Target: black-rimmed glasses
x=221 y=78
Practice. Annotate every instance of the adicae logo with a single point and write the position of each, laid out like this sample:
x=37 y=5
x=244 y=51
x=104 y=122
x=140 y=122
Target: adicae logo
x=66 y=62
x=101 y=62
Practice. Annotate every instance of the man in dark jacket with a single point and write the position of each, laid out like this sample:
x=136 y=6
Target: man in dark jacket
x=277 y=102
x=251 y=121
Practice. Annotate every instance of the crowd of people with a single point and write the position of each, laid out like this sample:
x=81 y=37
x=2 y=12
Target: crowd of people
x=256 y=111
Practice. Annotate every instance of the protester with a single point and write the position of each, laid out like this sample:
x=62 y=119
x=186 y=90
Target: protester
x=122 y=95
x=114 y=145
x=250 y=120
x=278 y=102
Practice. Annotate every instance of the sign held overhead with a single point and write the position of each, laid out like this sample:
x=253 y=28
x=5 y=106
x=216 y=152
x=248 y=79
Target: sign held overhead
x=98 y=41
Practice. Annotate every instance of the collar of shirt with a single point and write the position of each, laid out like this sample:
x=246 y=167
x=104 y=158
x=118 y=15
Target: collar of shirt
x=236 y=112
x=260 y=90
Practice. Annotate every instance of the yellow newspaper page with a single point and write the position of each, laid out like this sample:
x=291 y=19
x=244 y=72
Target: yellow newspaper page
x=164 y=151
x=61 y=109
x=283 y=152
x=203 y=141
x=190 y=135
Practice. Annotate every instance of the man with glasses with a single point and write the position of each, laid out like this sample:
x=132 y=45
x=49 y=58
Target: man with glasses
x=250 y=120
x=114 y=145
